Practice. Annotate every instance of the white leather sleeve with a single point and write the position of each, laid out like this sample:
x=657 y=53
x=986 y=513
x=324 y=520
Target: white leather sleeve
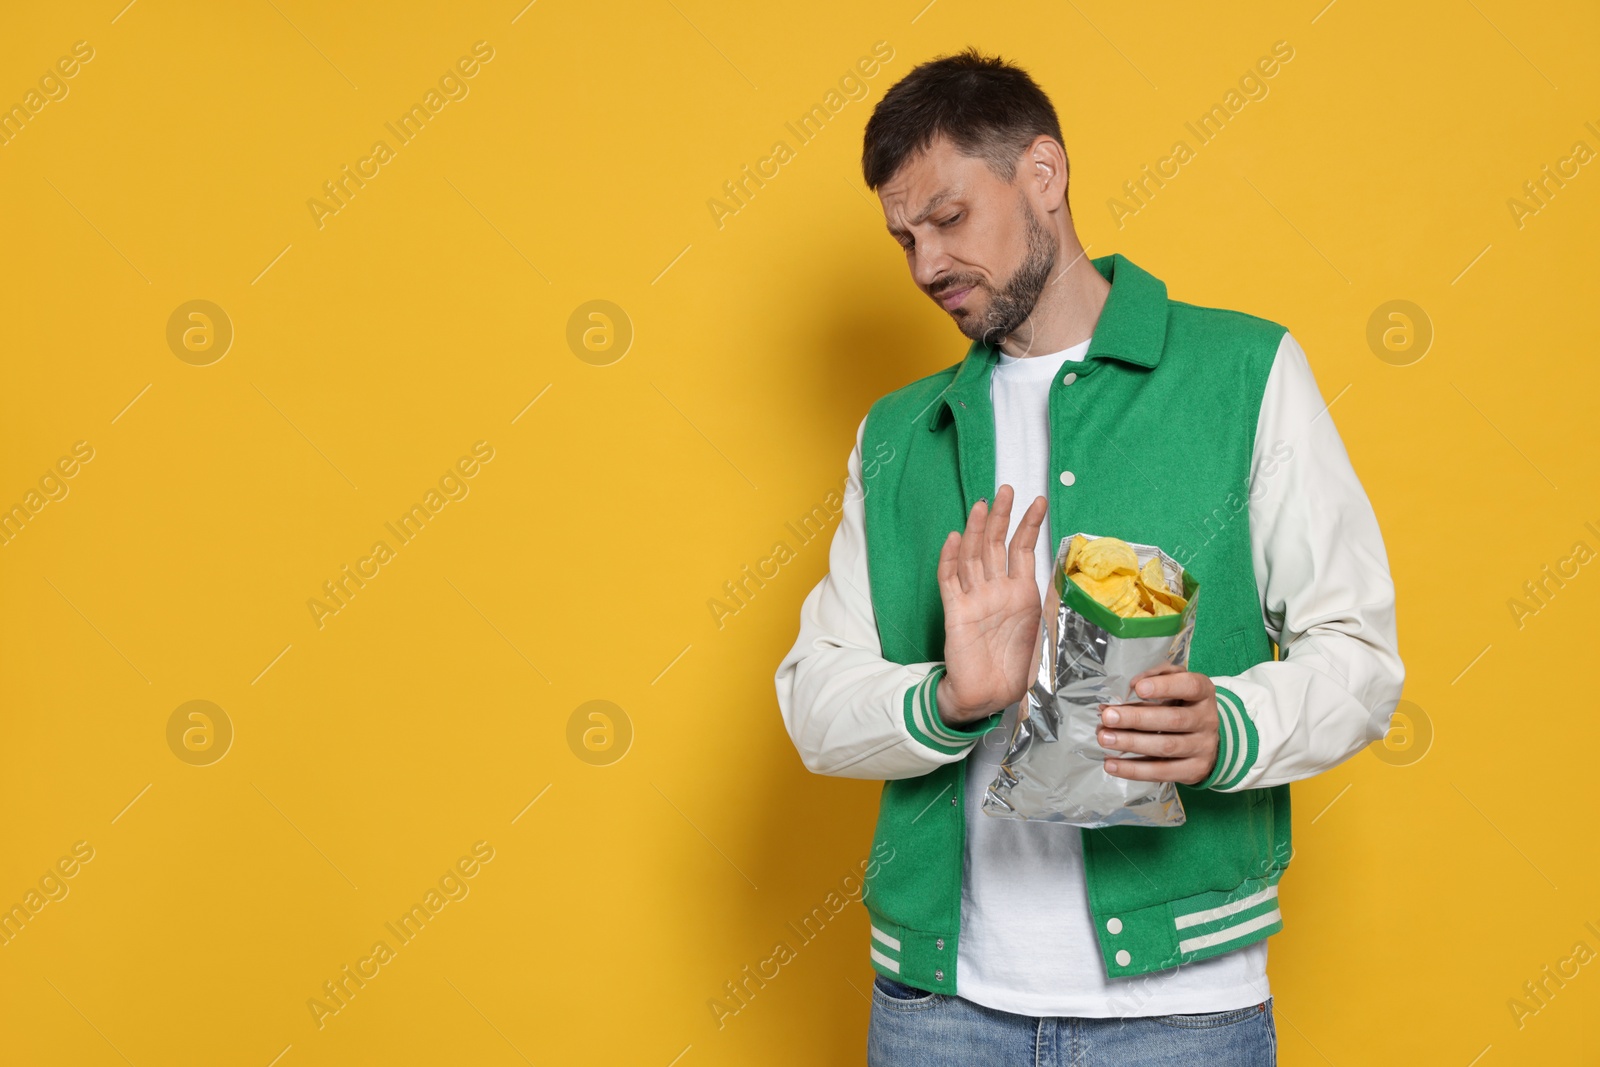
x=849 y=711
x=1326 y=599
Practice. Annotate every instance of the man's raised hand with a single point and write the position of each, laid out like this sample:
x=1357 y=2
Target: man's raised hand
x=992 y=610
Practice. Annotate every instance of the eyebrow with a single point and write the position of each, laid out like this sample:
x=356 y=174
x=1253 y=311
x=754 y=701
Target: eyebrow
x=928 y=209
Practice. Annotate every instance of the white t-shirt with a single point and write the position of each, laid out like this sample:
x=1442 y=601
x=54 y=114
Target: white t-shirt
x=1028 y=943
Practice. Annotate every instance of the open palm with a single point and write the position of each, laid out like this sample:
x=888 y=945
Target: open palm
x=991 y=610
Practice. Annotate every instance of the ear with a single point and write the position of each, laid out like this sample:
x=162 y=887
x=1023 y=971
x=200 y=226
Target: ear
x=1044 y=172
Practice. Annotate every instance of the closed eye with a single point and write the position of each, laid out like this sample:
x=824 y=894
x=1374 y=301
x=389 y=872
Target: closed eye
x=910 y=242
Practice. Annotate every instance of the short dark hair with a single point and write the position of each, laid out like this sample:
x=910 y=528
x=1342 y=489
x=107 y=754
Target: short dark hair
x=988 y=108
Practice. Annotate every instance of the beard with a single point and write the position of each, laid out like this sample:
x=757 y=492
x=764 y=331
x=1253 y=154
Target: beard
x=1011 y=304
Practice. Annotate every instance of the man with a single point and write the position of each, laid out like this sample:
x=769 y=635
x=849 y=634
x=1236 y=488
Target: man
x=1201 y=430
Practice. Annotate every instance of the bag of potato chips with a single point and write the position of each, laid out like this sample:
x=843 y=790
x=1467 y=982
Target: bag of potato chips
x=1114 y=611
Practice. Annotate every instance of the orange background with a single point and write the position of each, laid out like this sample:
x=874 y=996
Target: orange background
x=628 y=482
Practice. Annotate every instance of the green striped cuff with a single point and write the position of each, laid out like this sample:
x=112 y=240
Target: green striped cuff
x=1237 y=743
x=925 y=725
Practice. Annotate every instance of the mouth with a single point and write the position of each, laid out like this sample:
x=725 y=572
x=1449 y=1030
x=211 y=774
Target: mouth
x=953 y=298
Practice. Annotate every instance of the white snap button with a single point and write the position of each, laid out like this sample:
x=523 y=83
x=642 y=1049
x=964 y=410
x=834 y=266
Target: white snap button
x=1071 y=377
x=1114 y=925
x=1123 y=959
x=1067 y=477
x=938 y=976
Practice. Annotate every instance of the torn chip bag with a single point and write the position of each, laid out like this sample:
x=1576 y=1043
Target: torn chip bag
x=1115 y=611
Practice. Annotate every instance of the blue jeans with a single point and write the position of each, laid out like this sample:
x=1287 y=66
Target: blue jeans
x=914 y=1028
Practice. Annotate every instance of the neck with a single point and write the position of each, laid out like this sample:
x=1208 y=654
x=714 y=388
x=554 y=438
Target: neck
x=1068 y=307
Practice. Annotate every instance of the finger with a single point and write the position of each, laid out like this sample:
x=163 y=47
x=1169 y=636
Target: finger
x=1182 y=685
x=971 y=542
x=950 y=587
x=1180 y=718
x=1161 y=746
x=994 y=534
x=1026 y=537
x=1187 y=771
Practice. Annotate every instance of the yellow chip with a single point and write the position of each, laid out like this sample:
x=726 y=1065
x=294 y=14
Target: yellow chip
x=1098 y=588
x=1107 y=568
x=1073 y=548
x=1127 y=601
x=1171 y=600
x=1153 y=576
x=1119 y=593
x=1105 y=556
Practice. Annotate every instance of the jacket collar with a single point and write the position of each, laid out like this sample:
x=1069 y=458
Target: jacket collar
x=1132 y=329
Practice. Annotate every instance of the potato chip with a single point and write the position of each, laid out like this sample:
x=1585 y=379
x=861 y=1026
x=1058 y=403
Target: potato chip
x=1153 y=576
x=1171 y=600
x=1098 y=588
x=1127 y=600
x=1105 y=556
x=1073 y=548
x=1118 y=592
x=1108 y=570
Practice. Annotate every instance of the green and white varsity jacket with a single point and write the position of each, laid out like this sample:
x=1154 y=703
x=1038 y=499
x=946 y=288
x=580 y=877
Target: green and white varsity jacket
x=1162 y=437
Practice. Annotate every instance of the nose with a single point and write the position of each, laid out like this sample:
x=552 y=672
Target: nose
x=929 y=263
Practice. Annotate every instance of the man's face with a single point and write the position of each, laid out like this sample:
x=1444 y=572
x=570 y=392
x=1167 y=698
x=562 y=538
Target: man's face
x=973 y=243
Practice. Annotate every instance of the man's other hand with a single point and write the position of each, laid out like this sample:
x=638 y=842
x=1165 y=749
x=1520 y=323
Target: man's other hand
x=1178 y=738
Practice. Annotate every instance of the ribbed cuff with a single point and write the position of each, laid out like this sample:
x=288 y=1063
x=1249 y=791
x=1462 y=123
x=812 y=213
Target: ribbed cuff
x=1237 y=743
x=922 y=718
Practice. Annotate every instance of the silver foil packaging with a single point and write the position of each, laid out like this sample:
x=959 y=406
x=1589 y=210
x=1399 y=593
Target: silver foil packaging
x=1054 y=767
